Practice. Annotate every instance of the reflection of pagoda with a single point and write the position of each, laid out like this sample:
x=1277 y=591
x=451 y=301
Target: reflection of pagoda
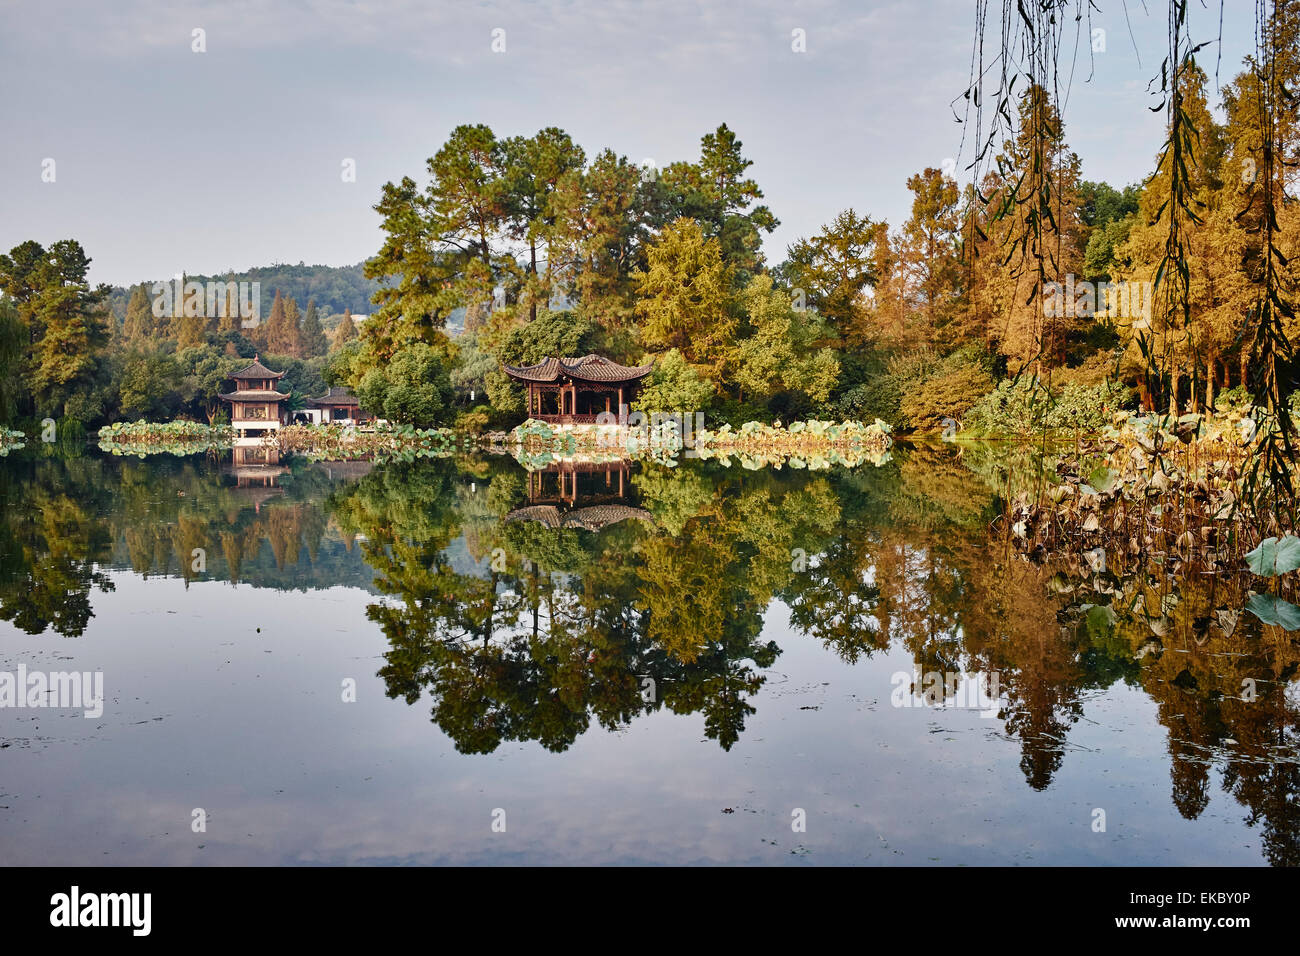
x=586 y=495
x=256 y=466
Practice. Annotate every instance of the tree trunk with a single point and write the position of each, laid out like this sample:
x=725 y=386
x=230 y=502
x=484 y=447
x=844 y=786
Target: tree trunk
x=532 y=297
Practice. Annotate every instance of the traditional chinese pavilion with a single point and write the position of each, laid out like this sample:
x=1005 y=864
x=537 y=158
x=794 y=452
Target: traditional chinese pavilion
x=576 y=390
x=338 y=404
x=255 y=402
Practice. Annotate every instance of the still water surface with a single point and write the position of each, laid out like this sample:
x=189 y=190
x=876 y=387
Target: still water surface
x=616 y=665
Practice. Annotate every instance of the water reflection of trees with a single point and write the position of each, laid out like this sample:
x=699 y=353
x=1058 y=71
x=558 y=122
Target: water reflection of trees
x=50 y=543
x=67 y=521
x=1219 y=679
x=551 y=627
x=567 y=630
x=518 y=624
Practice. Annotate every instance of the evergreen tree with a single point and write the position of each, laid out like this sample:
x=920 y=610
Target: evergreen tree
x=289 y=340
x=534 y=167
x=834 y=270
x=686 y=298
x=1033 y=236
x=139 y=323
x=12 y=373
x=1183 y=350
x=313 y=336
x=442 y=243
x=605 y=221
x=930 y=256
x=64 y=323
x=272 y=333
x=347 y=330
x=230 y=320
x=716 y=193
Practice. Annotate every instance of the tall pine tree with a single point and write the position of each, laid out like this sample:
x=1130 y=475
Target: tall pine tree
x=313 y=336
x=347 y=330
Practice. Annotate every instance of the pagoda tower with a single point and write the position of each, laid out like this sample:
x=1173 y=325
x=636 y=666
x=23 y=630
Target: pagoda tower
x=255 y=403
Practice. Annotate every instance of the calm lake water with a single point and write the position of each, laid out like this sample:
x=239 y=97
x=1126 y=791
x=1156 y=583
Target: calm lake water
x=452 y=661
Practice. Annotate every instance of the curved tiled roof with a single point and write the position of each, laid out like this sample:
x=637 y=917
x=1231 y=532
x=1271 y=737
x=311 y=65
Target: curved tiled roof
x=588 y=368
x=590 y=518
x=257 y=370
x=335 y=396
x=253 y=395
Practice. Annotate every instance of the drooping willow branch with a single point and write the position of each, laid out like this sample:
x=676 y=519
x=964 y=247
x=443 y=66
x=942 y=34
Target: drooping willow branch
x=1020 y=141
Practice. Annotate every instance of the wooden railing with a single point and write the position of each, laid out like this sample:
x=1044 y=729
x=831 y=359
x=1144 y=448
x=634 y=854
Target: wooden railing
x=569 y=419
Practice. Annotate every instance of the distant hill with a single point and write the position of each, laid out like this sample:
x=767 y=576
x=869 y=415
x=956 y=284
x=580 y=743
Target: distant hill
x=334 y=288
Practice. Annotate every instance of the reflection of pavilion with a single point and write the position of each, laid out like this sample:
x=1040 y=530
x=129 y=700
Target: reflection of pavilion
x=570 y=480
x=256 y=464
x=587 y=495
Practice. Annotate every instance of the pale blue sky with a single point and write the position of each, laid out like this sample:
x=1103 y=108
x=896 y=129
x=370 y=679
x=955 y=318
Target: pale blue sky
x=170 y=160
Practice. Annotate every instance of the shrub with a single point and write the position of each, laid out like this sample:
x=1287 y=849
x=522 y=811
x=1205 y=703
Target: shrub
x=919 y=389
x=881 y=396
x=1020 y=408
x=1095 y=370
x=948 y=394
x=474 y=420
x=674 y=386
x=413 y=388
